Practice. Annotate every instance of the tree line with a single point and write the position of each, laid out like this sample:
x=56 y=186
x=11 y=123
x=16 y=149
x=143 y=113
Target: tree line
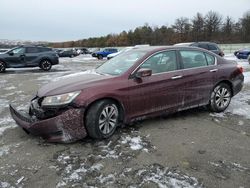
x=209 y=27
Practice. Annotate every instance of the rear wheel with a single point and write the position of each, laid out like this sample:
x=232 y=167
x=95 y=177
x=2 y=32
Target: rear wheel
x=102 y=119
x=2 y=67
x=220 y=98
x=45 y=65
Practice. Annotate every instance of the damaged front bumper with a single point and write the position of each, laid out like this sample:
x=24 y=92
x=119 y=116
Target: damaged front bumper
x=65 y=127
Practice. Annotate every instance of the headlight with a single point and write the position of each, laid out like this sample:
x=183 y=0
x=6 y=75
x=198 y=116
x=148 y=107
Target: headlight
x=60 y=99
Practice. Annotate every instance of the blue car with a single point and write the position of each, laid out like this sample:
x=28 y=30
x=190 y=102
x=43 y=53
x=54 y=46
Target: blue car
x=243 y=54
x=104 y=53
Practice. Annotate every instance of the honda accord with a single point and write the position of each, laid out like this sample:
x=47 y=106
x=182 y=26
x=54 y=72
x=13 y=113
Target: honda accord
x=135 y=85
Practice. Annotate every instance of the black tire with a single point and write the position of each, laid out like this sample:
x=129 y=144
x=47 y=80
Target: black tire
x=2 y=67
x=99 y=125
x=45 y=65
x=100 y=57
x=72 y=56
x=220 y=98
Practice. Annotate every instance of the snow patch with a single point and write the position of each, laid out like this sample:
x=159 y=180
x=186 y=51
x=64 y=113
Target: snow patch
x=240 y=104
x=135 y=143
x=10 y=88
x=218 y=115
x=106 y=179
x=3 y=104
x=4 y=150
x=5 y=185
x=163 y=177
x=246 y=77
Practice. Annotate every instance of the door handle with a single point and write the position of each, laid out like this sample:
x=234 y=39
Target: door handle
x=176 y=77
x=213 y=70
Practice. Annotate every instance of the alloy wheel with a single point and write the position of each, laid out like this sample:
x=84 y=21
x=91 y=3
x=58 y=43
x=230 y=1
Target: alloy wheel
x=46 y=65
x=222 y=97
x=108 y=119
x=2 y=67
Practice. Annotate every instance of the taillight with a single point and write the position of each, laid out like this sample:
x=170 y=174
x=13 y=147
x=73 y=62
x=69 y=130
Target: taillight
x=240 y=68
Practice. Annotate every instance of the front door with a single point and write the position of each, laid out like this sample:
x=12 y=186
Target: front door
x=159 y=92
x=16 y=58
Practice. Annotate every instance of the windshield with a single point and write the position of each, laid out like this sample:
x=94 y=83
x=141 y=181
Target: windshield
x=121 y=63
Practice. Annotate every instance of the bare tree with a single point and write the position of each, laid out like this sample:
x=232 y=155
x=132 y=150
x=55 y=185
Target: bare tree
x=198 y=27
x=182 y=28
x=213 y=22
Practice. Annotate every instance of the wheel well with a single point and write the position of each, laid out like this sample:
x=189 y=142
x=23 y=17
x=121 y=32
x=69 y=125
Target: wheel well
x=44 y=59
x=228 y=83
x=2 y=61
x=119 y=105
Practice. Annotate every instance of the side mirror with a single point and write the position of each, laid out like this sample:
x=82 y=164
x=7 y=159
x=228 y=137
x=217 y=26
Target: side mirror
x=143 y=73
x=11 y=53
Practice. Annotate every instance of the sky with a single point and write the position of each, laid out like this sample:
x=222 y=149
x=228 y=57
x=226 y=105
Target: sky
x=64 y=20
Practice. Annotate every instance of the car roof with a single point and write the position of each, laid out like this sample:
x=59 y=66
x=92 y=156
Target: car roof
x=31 y=46
x=159 y=48
x=190 y=43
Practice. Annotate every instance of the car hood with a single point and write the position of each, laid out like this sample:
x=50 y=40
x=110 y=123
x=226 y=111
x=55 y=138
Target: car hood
x=70 y=83
x=3 y=55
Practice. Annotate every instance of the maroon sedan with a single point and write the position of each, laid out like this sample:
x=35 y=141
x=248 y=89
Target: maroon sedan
x=135 y=85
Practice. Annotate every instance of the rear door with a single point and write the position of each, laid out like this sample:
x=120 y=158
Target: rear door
x=159 y=92
x=32 y=54
x=199 y=76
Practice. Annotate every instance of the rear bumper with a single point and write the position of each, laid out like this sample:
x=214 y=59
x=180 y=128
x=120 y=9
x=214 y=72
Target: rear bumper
x=55 y=61
x=66 y=127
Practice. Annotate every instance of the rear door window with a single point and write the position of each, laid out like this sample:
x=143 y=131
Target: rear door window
x=212 y=47
x=204 y=46
x=31 y=50
x=45 y=49
x=193 y=59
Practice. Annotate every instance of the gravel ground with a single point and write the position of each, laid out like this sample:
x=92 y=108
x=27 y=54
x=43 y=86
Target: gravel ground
x=194 y=148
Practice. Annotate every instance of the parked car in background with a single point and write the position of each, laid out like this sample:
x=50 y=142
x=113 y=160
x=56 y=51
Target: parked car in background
x=243 y=53
x=68 y=53
x=84 y=51
x=126 y=49
x=28 y=56
x=211 y=46
x=104 y=53
x=137 y=84
x=119 y=52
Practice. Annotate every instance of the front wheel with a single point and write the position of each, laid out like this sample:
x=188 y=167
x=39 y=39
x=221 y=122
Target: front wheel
x=2 y=67
x=102 y=119
x=220 y=98
x=45 y=65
